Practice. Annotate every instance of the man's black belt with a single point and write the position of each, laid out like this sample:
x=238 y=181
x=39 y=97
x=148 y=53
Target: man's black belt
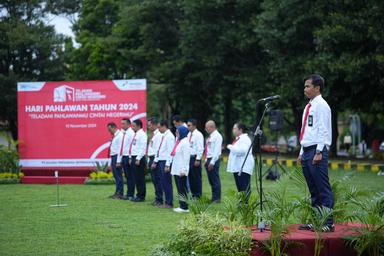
x=306 y=149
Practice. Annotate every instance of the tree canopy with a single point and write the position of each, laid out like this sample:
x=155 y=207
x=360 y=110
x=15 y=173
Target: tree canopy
x=204 y=59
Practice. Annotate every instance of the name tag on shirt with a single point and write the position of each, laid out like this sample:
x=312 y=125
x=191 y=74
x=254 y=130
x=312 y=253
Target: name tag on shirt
x=310 y=120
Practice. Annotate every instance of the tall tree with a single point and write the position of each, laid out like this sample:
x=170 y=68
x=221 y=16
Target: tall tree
x=93 y=29
x=220 y=61
x=30 y=50
x=351 y=50
x=287 y=33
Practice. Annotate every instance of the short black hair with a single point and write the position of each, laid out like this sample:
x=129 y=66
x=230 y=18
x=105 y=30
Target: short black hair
x=241 y=127
x=164 y=123
x=177 y=118
x=153 y=120
x=112 y=125
x=139 y=123
x=126 y=120
x=317 y=80
x=192 y=121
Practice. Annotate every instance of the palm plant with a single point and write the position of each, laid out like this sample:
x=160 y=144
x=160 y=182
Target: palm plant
x=320 y=215
x=302 y=204
x=9 y=157
x=343 y=196
x=278 y=212
x=241 y=207
x=204 y=234
x=369 y=238
x=196 y=205
x=247 y=207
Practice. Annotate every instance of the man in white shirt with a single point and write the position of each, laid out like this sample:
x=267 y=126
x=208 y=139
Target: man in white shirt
x=315 y=139
x=196 y=141
x=127 y=136
x=162 y=163
x=137 y=152
x=177 y=121
x=153 y=145
x=212 y=164
x=114 y=153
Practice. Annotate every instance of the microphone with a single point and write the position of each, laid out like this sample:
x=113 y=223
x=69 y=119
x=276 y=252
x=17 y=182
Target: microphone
x=271 y=98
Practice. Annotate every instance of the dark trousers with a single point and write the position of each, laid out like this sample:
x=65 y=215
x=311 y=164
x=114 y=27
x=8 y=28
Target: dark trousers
x=166 y=183
x=243 y=184
x=129 y=176
x=156 y=181
x=182 y=190
x=214 y=179
x=194 y=178
x=118 y=176
x=317 y=179
x=139 y=177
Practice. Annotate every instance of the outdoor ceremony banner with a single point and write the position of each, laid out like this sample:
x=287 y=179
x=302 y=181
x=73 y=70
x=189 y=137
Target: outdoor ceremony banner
x=64 y=124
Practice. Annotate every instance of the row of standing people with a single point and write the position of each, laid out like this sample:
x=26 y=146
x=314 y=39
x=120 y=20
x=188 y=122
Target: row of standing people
x=180 y=156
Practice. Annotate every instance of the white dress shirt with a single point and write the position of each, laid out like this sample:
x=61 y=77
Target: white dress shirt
x=139 y=144
x=154 y=143
x=180 y=161
x=213 y=145
x=165 y=148
x=128 y=136
x=115 y=146
x=318 y=128
x=196 y=141
x=238 y=151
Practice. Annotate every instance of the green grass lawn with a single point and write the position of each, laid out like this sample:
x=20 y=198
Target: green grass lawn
x=91 y=224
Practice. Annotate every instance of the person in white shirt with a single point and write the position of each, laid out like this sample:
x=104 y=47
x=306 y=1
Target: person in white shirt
x=115 y=155
x=127 y=136
x=315 y=139
x=154 y=142
x=212 y=164
x=196 y=140
x=137 y=151
x=177 y=121
x=237 y=154
x=180 y=166
x=163 y=162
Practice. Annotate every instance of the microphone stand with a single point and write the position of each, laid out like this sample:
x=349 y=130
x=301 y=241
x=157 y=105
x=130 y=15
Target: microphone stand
x=257 y=136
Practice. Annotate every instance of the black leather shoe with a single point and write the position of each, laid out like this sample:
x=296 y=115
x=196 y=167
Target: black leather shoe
x=137 y=199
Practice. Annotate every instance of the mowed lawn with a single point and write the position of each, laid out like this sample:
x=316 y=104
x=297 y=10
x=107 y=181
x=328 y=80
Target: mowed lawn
x=92 y=224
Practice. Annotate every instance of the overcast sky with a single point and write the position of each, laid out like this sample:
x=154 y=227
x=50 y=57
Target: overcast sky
x=62 y=25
